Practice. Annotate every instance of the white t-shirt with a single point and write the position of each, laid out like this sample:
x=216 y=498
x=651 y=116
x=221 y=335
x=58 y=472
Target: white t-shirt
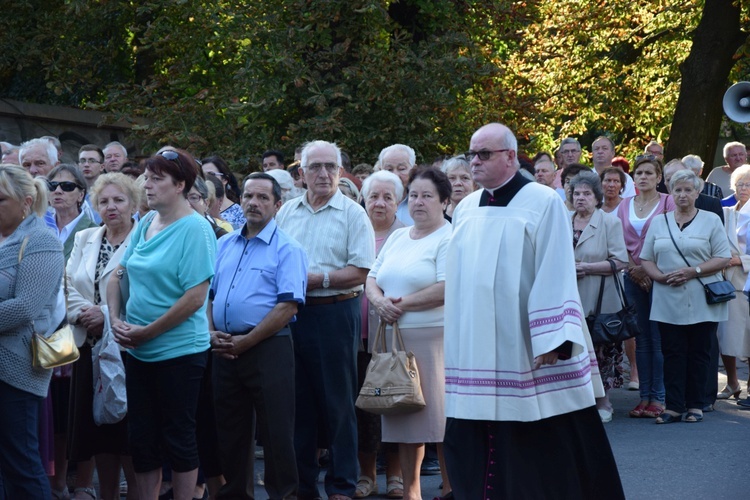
x=405 y=266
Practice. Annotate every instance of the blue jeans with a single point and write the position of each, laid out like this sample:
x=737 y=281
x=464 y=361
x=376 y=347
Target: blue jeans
x=648 y=355
x=20 y=464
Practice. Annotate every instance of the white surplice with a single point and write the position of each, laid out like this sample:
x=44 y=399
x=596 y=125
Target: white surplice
x=510 y=296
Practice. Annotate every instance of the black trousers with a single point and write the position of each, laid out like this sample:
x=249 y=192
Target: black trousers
x=260 y=382
x=562 y=457
x=687 y=351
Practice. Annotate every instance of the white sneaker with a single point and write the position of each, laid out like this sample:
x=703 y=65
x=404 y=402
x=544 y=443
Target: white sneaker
x=633 y=386
x=605 y=415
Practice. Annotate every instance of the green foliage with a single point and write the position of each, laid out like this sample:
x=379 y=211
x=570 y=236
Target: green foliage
x=239 y=77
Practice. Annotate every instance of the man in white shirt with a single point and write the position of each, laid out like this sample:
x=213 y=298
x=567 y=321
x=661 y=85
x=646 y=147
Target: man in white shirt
x=735 y=155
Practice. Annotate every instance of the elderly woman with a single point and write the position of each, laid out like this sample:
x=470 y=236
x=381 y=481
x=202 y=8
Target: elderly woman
x=230 y=210
x=682 y=249
x=734 y=334
x=169 y=264
x=597 y=239
x=407 y=285
x=348 y=188
x=459 y=175
x=96 y=253
x=198 y=199
x=636 y=214
x=567 y=174
x=67 y=188
x=613 y=182
x=380 y=192
x=214 y=202
x=285 y=180
x=31 y=300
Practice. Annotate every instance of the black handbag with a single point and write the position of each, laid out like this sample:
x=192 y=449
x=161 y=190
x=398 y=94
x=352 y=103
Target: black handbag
x=613 y=328
x=716 y=292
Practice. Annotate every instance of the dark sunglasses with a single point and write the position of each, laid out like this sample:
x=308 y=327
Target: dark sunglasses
x=66 y=186
x=170 y=155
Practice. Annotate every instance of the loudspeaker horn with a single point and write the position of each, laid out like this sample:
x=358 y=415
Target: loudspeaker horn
x=737 y=102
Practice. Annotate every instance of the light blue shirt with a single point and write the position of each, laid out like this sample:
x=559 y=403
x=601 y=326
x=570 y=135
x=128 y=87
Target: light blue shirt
x=254 y=275
x=160 y=270
x=402 y=212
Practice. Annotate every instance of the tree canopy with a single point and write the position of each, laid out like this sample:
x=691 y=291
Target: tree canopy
x=240 y=77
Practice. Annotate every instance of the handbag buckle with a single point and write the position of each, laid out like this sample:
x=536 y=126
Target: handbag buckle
x=377 y=391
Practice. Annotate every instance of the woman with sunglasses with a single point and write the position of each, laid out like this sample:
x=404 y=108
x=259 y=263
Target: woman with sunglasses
x=169 y=265
x=67 y=188
x=230 y=211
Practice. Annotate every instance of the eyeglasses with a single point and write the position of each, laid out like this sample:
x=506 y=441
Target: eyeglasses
x=217 y=174
x=742 y=185
x=483 y=155
x=194 y=198
x=84 y=161
x=66 y=186
x=317 y=167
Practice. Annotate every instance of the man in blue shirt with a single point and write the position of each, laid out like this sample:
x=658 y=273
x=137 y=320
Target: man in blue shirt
x=260 y=281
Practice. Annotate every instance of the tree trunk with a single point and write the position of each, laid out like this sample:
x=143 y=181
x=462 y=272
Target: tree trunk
x=697 y=117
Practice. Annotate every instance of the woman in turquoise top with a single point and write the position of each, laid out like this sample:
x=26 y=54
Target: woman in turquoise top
x=169 y=265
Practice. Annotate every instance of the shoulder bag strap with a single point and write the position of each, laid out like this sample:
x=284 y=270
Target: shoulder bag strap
x=618 y=285
x=23 y=248
x=601 y=295
x=678 y=248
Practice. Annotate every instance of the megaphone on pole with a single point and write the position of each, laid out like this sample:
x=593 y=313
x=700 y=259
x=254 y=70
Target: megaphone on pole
x=737 y=102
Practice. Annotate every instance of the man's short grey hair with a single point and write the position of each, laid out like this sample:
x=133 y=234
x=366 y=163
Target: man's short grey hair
x=399 y=147
x=39 y=142
x=8 y=146
x=383 y=176
x=570 y=140
x=604 y=138
x=652 y=143
x=693 y=162
x=319 y=144
x=733 y=144
x=685 y=175
x=117 y=144
x=587 y=178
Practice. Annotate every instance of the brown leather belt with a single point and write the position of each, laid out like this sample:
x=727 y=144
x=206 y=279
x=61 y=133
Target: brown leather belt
x=333 y=299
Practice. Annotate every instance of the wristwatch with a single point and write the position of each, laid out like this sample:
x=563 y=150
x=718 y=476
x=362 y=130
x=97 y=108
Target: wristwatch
x=698 y=270
x=327 y=280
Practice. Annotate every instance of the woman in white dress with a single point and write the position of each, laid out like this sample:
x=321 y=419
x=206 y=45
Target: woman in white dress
x=407 y=285
x=734 y=334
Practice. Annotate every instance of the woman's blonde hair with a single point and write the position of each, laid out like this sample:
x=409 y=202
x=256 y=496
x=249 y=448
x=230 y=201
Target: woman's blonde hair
x=124 y=182
x=17 y=183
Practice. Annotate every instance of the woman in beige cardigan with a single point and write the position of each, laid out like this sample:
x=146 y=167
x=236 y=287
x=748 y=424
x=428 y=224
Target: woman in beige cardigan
x=734 y=334
x=597 y=238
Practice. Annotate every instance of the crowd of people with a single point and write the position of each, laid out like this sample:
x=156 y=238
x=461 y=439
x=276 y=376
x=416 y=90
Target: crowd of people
x=246 y=310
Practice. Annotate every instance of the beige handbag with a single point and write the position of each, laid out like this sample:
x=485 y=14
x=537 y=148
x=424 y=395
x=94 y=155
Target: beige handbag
x=59 y=348
x=391 y=384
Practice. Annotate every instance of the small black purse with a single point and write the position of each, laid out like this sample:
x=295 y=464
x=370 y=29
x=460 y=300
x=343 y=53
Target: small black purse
x=716 y=292
x=613 y=328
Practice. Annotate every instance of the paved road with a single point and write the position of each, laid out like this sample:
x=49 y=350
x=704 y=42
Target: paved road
x=678 y=461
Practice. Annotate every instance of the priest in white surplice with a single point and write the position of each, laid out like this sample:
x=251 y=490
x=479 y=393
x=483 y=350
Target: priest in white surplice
x=519 y=393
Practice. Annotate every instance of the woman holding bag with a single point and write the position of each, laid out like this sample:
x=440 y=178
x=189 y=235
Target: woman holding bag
x=31 y=300
x=407 y=285
x=597 y=239
x=96 y=253
x=684 y=250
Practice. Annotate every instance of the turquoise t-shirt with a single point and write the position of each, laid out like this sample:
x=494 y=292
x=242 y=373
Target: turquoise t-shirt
x=160 y=271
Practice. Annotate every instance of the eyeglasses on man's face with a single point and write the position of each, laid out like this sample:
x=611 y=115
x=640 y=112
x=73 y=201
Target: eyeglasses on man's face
x=483 y=155
x=317 y=167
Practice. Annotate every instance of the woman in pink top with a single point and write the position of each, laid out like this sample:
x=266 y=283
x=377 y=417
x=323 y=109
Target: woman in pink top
x=636 y=214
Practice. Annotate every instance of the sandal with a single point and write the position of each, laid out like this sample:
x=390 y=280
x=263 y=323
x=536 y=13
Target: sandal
x=693 y=418
x=63 y=494
x=652 y=411
x=637 y=412
x=365 y=487
x=668 y=418
x=86 y=491
x=394 y=487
